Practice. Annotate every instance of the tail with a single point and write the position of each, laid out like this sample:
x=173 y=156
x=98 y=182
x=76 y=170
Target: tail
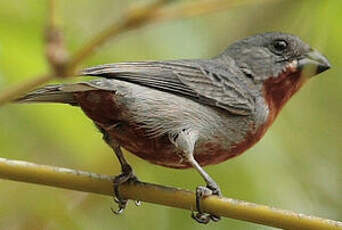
x=65 y=93
x=50 y=93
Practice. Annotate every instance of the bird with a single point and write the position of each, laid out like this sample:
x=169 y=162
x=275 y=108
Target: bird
x=190 y=113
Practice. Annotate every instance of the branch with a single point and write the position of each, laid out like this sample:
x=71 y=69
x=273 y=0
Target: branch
x=52 y=20
x=155 y=13
x=102 y=184
x=56 y=53
x=134 y=18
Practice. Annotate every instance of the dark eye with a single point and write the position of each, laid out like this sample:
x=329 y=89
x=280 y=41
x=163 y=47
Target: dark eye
x=280 y=45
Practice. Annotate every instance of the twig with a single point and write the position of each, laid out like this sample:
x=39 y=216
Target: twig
x=56 y=53
x=52 y=20
x=102 y=184
x=133 y=19
x=155 y=13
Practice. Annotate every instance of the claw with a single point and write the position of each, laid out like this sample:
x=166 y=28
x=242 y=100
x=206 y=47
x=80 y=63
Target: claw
x=137 y=203
x=201 y=218
x=202 y=192
x=116 y=200
x=125 y=176
x=121 y=204
x=118 y=211
x=215 y=218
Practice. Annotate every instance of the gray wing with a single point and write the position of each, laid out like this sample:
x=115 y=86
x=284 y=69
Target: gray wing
x=205 y=82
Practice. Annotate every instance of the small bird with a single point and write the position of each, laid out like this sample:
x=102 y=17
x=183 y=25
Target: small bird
x=191 y=113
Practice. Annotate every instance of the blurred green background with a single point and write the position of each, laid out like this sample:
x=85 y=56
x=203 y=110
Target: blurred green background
x=296 y=166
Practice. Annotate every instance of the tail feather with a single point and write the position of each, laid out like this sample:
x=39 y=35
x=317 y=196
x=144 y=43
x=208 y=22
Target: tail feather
x=65 y=93
x=51 y=93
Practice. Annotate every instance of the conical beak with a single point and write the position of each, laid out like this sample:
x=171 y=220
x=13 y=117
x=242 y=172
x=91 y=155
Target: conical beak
x=314 y=60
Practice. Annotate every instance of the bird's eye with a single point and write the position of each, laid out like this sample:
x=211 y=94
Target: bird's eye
x=279 y=46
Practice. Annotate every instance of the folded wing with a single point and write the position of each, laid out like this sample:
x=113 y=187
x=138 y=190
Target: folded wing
x=197 y=80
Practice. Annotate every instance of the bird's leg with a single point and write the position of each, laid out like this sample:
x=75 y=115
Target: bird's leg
x=185 y=141
x=201 y=192
x=126 y=175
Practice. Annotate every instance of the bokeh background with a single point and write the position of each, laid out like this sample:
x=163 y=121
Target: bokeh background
x=296 y=166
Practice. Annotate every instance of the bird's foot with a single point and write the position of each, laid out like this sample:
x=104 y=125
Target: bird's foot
x=127 y=176
x=202 y=192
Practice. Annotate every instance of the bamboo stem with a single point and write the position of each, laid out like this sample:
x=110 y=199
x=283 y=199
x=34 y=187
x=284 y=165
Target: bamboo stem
x=102 y=184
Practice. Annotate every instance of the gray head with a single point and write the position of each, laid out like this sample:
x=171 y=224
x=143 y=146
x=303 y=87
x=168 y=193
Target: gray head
x=269 y=55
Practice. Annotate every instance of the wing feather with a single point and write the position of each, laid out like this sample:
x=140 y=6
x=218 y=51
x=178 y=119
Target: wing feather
x=202 y=81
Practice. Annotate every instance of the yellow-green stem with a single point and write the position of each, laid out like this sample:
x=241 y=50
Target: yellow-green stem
x=102 y=184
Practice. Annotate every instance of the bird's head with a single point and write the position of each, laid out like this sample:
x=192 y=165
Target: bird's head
x=280 y=62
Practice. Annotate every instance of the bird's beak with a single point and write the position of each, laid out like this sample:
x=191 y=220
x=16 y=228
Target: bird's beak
x=315 y=62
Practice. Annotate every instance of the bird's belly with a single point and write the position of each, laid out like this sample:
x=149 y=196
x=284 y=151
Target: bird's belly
x=108 y=113
x=159 y=150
